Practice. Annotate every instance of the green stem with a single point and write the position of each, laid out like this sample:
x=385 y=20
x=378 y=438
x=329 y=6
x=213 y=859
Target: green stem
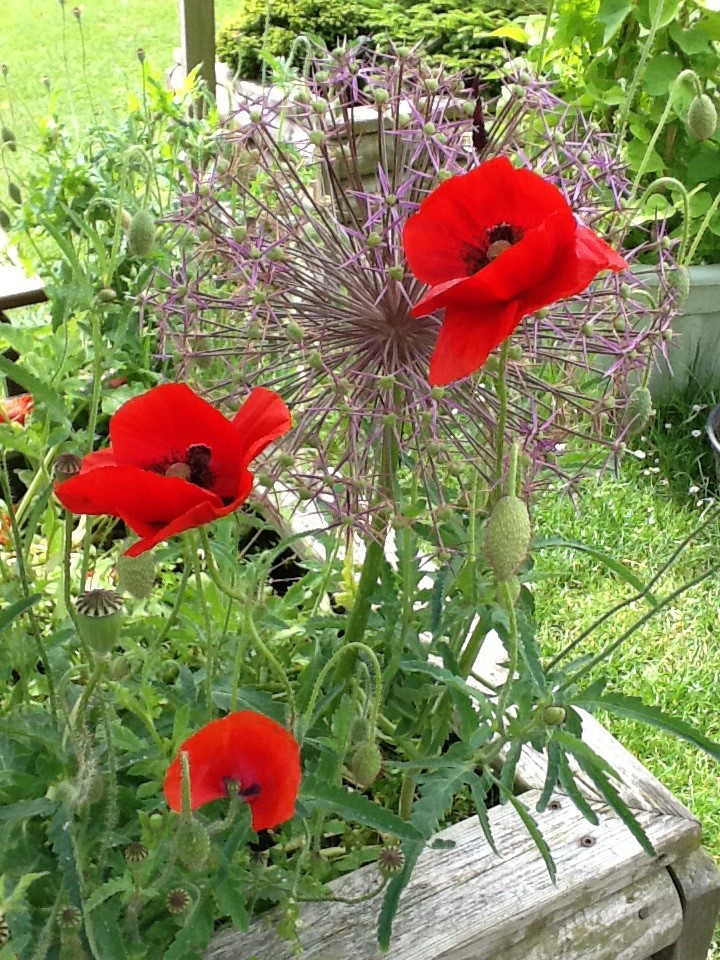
x=639 y=71
x=192 y=554
x=376 y=695
x=407 y=795
x=472 y=648
x=274 y=663
x=502 y=411
x=169 y=623
x=701 y=231
x=512 y=649
x=543 y=38
x=92 y=421
x=25 y=584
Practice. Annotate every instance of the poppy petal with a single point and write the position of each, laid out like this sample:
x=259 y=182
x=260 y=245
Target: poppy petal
x=456 y=215
x=145 y=501
x=260 y=754
x=100 y=458
x=262 y=418
x=156 y=429
x=466 y=338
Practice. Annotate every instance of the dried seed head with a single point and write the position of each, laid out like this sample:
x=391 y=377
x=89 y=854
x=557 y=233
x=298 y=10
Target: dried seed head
x=178 y=900
x=66 y=465
x=391 y=860
x=99 y=619
x=4 y=930
x=135 y=853
x=69 y=918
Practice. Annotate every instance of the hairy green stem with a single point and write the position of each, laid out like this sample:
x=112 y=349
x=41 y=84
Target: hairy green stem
x=376 y=693
x=512 y=649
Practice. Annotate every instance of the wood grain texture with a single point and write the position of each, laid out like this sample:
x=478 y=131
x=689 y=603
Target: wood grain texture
x=467 y=903
x=698 y=883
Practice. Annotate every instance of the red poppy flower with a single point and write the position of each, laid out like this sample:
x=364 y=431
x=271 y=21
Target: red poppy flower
x=175 y=462
x=495 y=244
x=16 y=409
x=249 y=748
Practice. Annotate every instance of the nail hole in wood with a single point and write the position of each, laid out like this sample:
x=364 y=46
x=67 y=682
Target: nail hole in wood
x=554 y=805
x=644 y=913
x=587 y=841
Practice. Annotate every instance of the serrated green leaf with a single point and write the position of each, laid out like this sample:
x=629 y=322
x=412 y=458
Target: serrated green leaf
x=552 y=774
x=450 y=680
x=633 y=708
x=594 y=766
x=107 y=890
x=479 y=786
x=617 y=567
x=567 y=782
x=8 y=614
x=357 y=808
x=532 y=828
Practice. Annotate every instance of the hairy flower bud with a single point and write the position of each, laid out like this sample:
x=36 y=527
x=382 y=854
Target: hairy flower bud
x=679 y=281
x=14 y=192
x=639 y=410
x=507 y=537
x=136 y=575
x=141 y=235
x=99 y=619
x=702 y=117
x=366 y=763
x=193 y=846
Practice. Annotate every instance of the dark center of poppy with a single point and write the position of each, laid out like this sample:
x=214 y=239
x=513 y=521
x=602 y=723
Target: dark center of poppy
x=195 y=467
x=235 y=789
x=497 y=240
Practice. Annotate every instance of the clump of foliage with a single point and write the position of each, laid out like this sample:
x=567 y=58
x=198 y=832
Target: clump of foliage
x=647 y=70
x=461 y=35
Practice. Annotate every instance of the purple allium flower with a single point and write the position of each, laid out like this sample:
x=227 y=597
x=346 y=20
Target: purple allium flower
x=293 y=277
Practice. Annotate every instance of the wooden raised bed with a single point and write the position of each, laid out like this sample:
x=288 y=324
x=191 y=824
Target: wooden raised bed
x=611 y=900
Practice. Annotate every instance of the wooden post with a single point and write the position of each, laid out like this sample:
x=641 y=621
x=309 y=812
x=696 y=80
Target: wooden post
x=197 y=38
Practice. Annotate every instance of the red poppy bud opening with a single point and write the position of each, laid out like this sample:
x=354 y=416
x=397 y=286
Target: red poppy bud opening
x=244 y=754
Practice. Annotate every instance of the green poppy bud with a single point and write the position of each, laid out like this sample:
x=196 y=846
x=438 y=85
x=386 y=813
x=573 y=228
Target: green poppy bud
x=141 y=235
x=14 y=192
x=679 y=281
x=702 y=117
x=507 y=537
x=136 y=575
x=554 y=716
x=99 y=619
x=5 y=220
x=366 y=763
x=193 y=847
x=639 y=410
x=360 y=730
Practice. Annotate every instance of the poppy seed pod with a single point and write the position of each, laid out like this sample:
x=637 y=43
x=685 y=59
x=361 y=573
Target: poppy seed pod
x=193 y=844
x=99 y=619
x=135 y=853
x=507 y=537
x=141 y=235
x=66 y=465
x=178 y=900
x=702 y=117
x=366 y=763
x=14 y=192
x=391 y=860
x=4 y=930
x=69 y=918
x=136 y=575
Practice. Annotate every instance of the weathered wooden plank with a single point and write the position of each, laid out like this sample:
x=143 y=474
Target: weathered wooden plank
x=488 y=905
x=698 y=883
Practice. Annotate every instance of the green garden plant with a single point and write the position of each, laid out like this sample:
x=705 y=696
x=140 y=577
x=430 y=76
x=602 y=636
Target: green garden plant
x=188 y=739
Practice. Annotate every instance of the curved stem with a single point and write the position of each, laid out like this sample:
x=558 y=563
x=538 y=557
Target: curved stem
x=191 y=554
x=512 y=649
x=274 y=663
x=322 y=676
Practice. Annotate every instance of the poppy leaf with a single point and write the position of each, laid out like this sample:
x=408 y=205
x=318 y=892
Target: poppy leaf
x=357 y=808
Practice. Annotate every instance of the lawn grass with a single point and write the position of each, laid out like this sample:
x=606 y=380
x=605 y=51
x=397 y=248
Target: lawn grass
x=91 y=63
x=660 y=496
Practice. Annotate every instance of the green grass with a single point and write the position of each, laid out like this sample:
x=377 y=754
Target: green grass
x=43 y=39
x=674 y=660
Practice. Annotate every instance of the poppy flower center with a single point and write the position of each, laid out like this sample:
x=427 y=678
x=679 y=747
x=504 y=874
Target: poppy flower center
x=497 y=240
x=195 y=467
x=234 y=789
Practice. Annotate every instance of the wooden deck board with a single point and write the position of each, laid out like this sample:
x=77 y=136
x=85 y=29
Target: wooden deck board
x=17 y=287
